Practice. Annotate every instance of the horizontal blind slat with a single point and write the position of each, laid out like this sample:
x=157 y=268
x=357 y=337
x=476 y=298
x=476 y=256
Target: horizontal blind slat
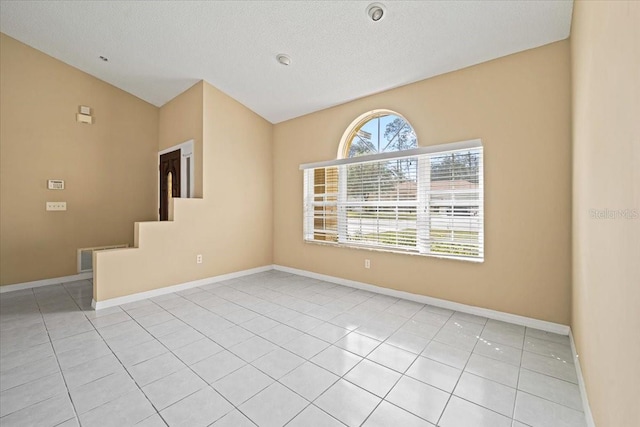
x=428 y=203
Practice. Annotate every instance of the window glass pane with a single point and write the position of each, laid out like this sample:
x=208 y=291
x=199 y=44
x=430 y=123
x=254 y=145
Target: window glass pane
x=325 y=206
x=382 y=202
x=382 y=134
x=455 y=200
x=428 y=204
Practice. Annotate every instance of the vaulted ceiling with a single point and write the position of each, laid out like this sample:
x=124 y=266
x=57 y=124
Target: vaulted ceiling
x=157 y=49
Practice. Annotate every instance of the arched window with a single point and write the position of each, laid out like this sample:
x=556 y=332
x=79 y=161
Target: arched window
x=386 y=193
x=379 y=131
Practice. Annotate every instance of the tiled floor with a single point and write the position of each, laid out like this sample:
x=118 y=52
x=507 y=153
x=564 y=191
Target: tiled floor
x=274 y=349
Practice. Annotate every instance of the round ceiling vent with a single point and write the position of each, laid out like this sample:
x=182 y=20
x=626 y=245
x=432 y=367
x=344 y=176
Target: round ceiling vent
x=376 y=11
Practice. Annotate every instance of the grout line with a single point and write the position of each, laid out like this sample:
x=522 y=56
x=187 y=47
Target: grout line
x=127 y=371
x=462 y=371
x=206 y=382
x=296 y=299
x=277 y=345
x=402 y=374
x=73 y=405
x=515 y=399
x=281 y=323
x=117 y=358
x=544 y=397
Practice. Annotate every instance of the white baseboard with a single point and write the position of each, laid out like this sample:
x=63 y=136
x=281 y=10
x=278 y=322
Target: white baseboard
x=583 y=389
x=478 y=311
x=98 y=305
x=45 y=282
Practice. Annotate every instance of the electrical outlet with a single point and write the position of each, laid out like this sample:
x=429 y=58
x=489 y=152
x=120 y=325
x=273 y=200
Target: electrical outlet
x=198 y=259
x=56 y=206
x=367 y=263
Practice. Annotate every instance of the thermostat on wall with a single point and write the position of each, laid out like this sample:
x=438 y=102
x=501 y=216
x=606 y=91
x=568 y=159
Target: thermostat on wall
x=55 y=184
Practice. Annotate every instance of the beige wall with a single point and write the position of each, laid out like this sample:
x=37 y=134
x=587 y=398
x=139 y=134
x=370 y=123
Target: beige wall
x=247 y=172
x=109 y=168
x=180 y=121
x=520 y=107
x=605 y=49
x=231 y=226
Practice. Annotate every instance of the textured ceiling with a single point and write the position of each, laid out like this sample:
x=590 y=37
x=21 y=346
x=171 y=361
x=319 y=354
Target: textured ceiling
x=157 y=49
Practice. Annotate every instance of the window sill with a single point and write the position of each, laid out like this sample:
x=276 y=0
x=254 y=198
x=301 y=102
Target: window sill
x=386 y=250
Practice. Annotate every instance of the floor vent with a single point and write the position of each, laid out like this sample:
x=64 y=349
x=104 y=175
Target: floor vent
x=85 y=256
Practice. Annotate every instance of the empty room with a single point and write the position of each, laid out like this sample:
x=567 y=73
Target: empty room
x=320 y=213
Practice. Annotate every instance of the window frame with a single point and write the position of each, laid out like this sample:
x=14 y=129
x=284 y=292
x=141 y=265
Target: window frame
x=357 y=124
x=423 y=241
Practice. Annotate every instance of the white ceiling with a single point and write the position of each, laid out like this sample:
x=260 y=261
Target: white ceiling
x=158 y=49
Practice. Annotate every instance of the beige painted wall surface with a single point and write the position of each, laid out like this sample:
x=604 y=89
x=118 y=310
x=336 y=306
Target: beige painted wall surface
x=520 y=107
x=231 y=226
x=605 y=48
x=180 y=123
x=109 y=167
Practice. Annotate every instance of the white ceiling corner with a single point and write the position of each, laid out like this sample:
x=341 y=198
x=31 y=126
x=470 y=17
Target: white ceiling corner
x=158 y=49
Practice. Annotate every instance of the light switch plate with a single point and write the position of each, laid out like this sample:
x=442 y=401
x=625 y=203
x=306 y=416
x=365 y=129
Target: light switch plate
x=84 y=118
x=56 y=206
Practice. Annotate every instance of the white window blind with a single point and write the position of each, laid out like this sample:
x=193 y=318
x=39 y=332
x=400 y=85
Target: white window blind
x=426 y=201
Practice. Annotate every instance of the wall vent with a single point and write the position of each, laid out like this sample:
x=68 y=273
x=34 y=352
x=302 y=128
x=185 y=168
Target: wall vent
x=85 y=256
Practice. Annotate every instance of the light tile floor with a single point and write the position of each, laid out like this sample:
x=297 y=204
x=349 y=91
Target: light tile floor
x=274 y=349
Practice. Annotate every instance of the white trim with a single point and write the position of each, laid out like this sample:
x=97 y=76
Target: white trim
x=187 y=146
x=583 y=390
x=479 y=311
x=556 y=328
x=452 y=146
x=99 y=305
x=45 y=282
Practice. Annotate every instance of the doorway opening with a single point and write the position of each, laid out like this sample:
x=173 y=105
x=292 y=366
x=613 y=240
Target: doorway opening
x=176 y=176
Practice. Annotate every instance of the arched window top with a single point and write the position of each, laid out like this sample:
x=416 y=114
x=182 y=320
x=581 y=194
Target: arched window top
x=378 y=131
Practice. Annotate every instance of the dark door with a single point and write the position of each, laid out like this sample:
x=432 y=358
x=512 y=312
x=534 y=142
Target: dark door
x=169 y=181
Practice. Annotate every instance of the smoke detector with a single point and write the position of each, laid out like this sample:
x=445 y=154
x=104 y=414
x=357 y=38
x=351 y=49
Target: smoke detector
x=283 y=59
